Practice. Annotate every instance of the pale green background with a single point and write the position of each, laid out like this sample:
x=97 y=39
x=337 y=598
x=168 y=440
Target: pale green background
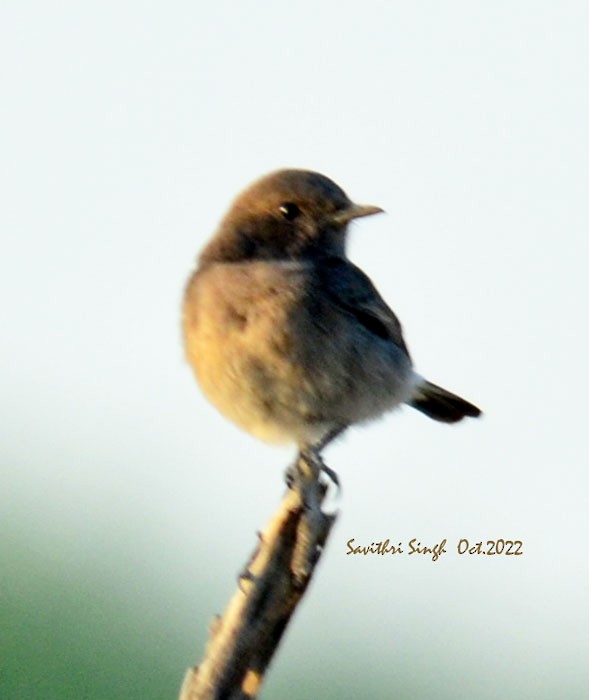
x=128 y=505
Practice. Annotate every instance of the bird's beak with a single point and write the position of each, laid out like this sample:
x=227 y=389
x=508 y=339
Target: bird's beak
x=355 y=211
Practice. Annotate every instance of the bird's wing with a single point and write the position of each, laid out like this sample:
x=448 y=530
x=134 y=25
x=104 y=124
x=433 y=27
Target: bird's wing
x=351 y=290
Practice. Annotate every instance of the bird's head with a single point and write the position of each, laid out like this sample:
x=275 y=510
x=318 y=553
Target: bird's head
x=287 y=215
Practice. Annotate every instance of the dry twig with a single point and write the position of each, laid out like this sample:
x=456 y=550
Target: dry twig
x=245 y=638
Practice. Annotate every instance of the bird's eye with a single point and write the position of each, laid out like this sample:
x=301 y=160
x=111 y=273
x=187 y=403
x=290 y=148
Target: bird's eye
x=289 y=210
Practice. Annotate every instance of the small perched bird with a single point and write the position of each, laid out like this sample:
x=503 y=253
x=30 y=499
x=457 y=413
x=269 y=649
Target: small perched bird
x=286 y=336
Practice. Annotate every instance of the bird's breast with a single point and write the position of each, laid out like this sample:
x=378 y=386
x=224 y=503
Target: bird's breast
x=276 y=357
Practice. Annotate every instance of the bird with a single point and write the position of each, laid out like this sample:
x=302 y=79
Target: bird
x=286 y=336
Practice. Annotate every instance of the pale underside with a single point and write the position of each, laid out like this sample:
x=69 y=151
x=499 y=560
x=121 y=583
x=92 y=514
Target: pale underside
x=290 y=371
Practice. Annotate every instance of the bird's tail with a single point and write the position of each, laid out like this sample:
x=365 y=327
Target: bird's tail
x=442 y=405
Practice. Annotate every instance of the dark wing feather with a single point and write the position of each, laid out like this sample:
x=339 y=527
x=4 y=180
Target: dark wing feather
x=352 y=291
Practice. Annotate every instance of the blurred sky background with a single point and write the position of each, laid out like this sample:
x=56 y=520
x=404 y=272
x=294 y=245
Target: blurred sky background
x=128 y=505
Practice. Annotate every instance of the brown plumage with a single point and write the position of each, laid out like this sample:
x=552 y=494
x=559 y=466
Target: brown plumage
x=286 y=336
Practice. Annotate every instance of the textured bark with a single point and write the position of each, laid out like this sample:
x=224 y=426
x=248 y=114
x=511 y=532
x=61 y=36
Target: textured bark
x=244 y=639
